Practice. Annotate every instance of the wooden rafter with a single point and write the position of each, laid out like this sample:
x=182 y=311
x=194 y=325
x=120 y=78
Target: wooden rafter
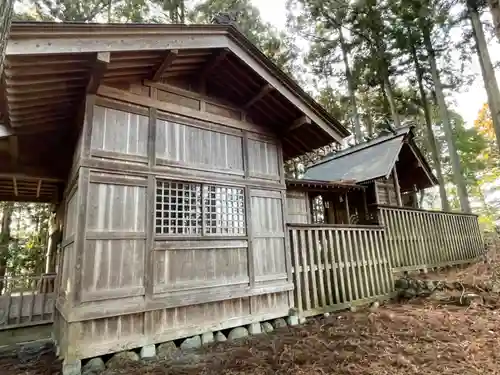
x=166 y=63
x=38 y=188
x=213 y=62
x=303 y=120
x=14 y=181
x=99 y=68
x=266 y=89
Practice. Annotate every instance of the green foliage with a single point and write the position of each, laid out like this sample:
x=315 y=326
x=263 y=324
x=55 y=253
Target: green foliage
x=275 y=44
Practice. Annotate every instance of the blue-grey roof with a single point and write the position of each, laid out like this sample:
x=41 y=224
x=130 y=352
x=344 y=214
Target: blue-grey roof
x=362 y=162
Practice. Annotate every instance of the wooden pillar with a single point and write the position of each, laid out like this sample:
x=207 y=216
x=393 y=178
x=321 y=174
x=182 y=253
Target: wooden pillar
x=348 y=215
x=397 y=189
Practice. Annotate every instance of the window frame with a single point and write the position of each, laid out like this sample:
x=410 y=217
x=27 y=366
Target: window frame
x=204 y=188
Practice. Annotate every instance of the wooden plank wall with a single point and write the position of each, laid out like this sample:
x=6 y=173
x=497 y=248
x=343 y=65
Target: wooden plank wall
x=130 y=283
x=298 y=207
x=419 y=239
x=336 y=266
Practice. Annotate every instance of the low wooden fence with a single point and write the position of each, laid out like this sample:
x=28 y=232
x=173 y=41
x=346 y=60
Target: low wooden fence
x=27 y=300
x=419 y=239
x=337 y=266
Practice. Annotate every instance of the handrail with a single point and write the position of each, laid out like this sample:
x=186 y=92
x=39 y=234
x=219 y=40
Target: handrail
x=334 y=226
x=385 y=206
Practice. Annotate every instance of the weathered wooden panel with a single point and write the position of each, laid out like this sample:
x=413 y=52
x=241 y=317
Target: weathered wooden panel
x=174 y=98
x=116 y=208
x=70 y=217
x=201 y=315
x=268 y=235
x=120 y=132
x=190 y=146
x=298 y=210
x=222 y=110
x=271 y=303
x=113 y=268
x=263 y=159
x=68 y=254
x=187 y=265
x=113 y=330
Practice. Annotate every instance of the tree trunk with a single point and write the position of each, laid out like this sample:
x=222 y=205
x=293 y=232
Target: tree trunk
x=445 y=119
x=351 y=87
x=487 y=71
x=391 y=98
x=6 y=9
x=8 y=208
x=435 y=151
x=495 y=14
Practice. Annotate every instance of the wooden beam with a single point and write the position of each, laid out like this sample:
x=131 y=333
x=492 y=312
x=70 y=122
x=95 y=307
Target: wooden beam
x=266 y=89
x=38 y=188
x=14 y=149
x=303 y=120
x=100 y=65
x=212 y=63
x=14 y=181
x=167 y=62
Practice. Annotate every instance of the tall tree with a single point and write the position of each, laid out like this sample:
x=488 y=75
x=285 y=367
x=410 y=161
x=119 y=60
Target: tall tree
x=426 y=28
x=487 y=71
x=276 y=45
x=8 y=208
x=6 y=11
x=495 y=14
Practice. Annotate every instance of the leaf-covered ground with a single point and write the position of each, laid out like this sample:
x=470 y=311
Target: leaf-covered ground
x=405 y=337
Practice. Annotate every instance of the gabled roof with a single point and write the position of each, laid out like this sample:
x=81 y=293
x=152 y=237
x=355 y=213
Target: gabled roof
x=64 y=52
x=371 y=160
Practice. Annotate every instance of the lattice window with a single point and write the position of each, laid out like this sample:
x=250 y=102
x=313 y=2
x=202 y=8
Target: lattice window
x=199 y=209
x=178 y=208
x=224 y=210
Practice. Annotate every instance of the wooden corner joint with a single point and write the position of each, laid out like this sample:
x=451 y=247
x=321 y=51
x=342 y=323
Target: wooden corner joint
x=99 y=67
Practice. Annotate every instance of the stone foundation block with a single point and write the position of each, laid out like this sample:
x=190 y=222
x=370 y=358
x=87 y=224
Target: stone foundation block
x=148 y=351
x=254 y=329
x=73 y=367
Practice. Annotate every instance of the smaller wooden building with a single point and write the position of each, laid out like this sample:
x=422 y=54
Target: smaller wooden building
x=391 y=166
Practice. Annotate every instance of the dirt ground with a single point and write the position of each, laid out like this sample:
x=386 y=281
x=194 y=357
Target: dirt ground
x=421 y=336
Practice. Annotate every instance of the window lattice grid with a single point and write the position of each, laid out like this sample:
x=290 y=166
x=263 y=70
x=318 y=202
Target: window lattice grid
x=224 y=210
x=178 y=208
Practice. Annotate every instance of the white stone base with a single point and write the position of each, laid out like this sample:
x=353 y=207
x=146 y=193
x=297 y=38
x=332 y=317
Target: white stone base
x=148 y=351
x=72 y=368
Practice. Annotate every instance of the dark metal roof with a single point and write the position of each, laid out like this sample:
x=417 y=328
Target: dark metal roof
x=369 y=160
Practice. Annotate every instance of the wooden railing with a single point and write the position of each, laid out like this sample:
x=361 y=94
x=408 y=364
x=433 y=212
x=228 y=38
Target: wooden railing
x=27 y=300
x=420 y=239
x=337 y=266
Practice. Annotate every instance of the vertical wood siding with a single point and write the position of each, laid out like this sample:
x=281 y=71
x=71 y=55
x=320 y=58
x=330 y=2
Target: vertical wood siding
x=268 y=233
x=263 y=159
x=190 y=146
x=198 y=264
x=298 y=210
x=113 y=259
x=121 y=132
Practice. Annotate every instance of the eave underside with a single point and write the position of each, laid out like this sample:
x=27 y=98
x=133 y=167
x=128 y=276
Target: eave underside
x=42 y=96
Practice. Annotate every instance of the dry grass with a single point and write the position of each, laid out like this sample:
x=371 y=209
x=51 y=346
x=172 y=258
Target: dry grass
x=420 y=337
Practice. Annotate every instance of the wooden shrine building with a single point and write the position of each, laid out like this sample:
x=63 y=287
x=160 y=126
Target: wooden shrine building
x=162 y=148
x=391 y=167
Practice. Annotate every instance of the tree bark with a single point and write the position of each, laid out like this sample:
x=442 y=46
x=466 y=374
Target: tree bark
x=445 y=120
x=351 y=87
x=435 y=149
x=487 y=71
x=8 y=208
x=495 y=14
x=6 y=10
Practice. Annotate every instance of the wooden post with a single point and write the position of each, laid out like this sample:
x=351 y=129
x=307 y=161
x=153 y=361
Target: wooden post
x=396 y=186
x=348 y=221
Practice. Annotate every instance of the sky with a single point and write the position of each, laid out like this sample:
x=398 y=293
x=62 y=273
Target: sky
x=467 y=103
